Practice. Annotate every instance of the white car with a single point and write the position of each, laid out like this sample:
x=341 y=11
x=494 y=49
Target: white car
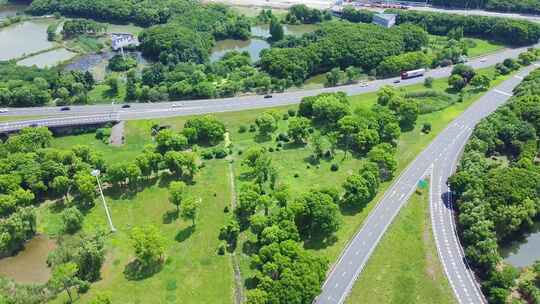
x=4 y=110
x=176 y=105
x=483 y=60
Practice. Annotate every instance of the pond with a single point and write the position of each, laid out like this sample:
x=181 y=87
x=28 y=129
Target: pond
x=48 y=59
x=30 y=264
x=24 y=38
x=97 y=63
x=254 y=46
x=524 y=251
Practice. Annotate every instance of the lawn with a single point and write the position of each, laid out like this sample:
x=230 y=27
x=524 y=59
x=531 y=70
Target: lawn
x=476 y=47
x=405 y=267
x=192 y=273
x=149 y=204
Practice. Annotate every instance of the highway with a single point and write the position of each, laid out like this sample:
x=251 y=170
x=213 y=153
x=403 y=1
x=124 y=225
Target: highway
x=191 y=107
x=438 y=160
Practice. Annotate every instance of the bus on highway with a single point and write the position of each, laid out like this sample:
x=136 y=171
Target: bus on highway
x=413 y=73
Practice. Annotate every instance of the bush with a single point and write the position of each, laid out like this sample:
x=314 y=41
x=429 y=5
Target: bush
x=334 y=167
x=242 y=129
x=207 y=154
x=252 y=128
x=285 y=116
x=428 y=82
x=291 y=112
x=84 y=286
x=296 y=175
x=220 y=153
x=270 y=149
x=222 y=247
x=121 y=64
x=72 y=219
x=426 y=128
x=283 y=137
x=279 y=144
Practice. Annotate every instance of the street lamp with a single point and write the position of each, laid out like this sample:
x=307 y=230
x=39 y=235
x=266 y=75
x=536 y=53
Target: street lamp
x=96 y=174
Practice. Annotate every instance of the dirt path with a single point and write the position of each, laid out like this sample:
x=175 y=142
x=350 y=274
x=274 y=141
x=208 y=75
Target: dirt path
x=117 y=134
x=238 y=282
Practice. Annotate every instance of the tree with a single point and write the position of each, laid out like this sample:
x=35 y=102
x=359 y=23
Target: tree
x=457 y=82
x=86 y=189
x=333 y=77
x=357 y=191
x=177 y=193
x=61 y=185
x=64 y=278
x=465 y=71
x=266 y=123
x=204 y=129
x=299 y=129
x=230 y=231
x=428 y=82
x=276 y=30
x=168 y=140
x=72 y=219
x=189 y=210
x=148 y=244
x=113 y=82
x=384 y=156
x=481 y=81
x=316 y=213
x=352 y=74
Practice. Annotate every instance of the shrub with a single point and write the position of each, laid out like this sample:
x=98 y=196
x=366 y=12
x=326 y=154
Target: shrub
x=296 y=175
x=119 y=64
x=84 y=286
x=242 y=129
x=279 y=144
x=334 y=167
x=282 y=137
x=252 y=128
x=220 y=153
x=426 y=127
x=222 y=247
x=207 y=154
x=285 y=116
x=270 y=149
x=291 y=112
x=72 y=219
x=428 y=82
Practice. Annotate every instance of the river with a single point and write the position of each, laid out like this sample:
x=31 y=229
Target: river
x=524 y=251
x=255 y=45
x=30 y=264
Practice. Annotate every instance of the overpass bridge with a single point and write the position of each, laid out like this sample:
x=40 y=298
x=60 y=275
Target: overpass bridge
x=60 y=122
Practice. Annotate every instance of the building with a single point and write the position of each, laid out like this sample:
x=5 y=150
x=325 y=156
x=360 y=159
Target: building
x=121 y=40
x=386 y=20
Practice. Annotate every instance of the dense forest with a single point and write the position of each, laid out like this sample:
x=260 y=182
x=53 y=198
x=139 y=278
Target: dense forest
x=340 y=44
x=497 y=190
x=521 y=6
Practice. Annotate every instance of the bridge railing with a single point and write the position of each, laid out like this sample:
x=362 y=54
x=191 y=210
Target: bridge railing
x=59 y=121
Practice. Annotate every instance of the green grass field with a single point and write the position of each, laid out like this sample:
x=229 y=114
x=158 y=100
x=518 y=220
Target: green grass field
x=191 y=259
x=405 y=266
x=192 y=272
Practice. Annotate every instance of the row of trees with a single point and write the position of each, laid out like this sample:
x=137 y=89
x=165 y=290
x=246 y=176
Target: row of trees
x=31 y=86
x=301 y=13
x=498 y=199
x=76 y=27
x=505 y=30
x=522 y=6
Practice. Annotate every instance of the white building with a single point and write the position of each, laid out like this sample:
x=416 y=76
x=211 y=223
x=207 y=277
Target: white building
x=386 y=20
x=120 y=40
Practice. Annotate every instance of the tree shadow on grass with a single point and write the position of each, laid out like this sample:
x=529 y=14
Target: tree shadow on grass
x=260 y=138
x=320 y=242
x=351 y=209
x=136 y=271
x=184 y=234
x=170 y=216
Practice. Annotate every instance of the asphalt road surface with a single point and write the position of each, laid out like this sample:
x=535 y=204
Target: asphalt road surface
x=191 y=107
x=437 y=160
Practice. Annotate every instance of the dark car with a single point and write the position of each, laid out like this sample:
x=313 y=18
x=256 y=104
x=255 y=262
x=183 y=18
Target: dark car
x=268 y=96
x=397 y=81
x=34 y=125
x=126 y=106
x=65 y=108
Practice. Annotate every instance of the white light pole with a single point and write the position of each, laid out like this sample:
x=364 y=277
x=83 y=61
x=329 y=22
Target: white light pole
x=96 y=174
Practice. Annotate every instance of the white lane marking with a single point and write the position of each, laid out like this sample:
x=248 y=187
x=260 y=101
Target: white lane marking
x=502 y=92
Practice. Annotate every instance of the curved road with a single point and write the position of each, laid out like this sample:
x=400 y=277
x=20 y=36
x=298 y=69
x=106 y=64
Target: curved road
x=438 y=160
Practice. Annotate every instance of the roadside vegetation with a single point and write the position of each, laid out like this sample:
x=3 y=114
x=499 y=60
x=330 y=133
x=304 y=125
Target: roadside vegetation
x=405 y=267
x=293 y=158
x=497 y=193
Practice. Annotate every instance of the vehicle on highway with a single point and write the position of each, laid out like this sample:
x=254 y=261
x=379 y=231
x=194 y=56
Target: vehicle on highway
x=34 y=125
x=65 y=108
x=268 y=96
x=126 y=106
x=413 y=74
x=483 y=60
x=4 y=110
x=397 y=81
x=176 y=105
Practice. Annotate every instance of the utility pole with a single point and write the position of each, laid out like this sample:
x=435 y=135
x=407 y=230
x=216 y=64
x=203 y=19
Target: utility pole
x=96 y=174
